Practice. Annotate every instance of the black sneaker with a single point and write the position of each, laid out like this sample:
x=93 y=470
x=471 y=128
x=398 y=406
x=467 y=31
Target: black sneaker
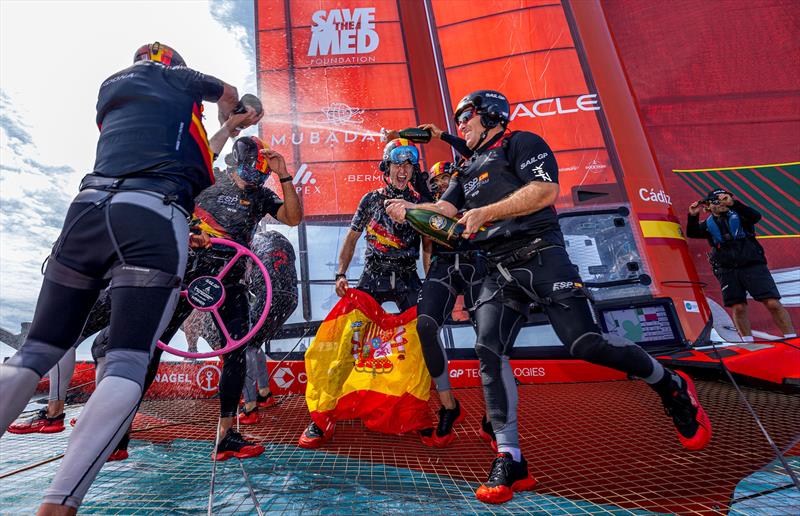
x=234 y=445
x=313 y=437
x=691 y=421
x=444 y=435
x=506 y=477
x=487 y=433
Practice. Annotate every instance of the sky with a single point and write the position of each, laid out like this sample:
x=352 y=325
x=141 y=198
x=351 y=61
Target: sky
x=53 y=57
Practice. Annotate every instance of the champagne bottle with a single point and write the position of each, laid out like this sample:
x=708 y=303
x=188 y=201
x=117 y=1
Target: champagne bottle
x=248 y=100
x=416 y=135
x=434 y=225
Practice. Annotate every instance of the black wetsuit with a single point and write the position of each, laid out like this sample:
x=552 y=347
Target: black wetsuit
x=128 y=226
x=390 y=269
x=452 y=272
x=527 y=262
x=225 y=211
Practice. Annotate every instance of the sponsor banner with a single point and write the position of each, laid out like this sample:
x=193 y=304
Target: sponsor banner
x=335 y=131
x=289 y=378
x=328 y=188
x=330 y=76
x=465 y=373
x=535 y=64
x=192 y=380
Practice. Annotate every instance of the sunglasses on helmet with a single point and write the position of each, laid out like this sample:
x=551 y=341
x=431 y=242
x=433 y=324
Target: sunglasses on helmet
x=400 y=155
x=252 y=166
x=465 y=116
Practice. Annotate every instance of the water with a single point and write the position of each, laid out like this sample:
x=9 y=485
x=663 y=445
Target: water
x=174 y=478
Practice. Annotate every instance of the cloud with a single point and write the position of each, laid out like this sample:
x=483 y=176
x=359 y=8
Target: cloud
x=47 y=106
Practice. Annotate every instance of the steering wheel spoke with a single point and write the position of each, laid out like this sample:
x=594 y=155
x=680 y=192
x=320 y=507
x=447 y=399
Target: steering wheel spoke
x=207 y=294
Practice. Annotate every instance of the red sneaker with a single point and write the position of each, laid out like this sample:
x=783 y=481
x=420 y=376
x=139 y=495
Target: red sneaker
x=313 y=437
x=248 y=418
x=39 y=423
x=266 y=401
x=691 y=421
x=117 y=455
x=506 y=477
x=234 y=445
x=487 y=433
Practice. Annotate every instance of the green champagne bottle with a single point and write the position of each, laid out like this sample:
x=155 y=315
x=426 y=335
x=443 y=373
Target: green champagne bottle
x=444 y=230
x=415 y=134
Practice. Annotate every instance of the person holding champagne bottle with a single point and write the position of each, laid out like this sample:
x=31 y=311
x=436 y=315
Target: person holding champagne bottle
x=453 y=269
x=511 y=181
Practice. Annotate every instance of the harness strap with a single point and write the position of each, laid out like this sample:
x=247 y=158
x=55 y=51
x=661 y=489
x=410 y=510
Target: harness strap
x=126 y=275
x=67 y=276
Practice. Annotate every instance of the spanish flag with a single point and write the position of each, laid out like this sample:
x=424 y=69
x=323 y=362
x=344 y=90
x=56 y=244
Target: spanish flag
x=367 y=364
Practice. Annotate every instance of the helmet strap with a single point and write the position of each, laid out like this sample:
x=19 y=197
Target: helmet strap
x=481 y=139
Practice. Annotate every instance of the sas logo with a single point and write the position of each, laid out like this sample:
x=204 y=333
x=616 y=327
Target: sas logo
x=343 y=32
x=438 y=222
x=304 y=181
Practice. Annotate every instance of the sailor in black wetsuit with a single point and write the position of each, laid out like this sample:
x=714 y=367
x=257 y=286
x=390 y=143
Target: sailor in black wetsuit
x=128 y=226
x=510 y=183
x=450 y=273
x=232 y=209
x=390 y=269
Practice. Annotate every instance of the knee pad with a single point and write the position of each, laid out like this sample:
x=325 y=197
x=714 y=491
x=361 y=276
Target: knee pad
x=428 y=331
x=432 y=351
x=588 y=346
x=100 y=344
x=491 y=364
x=127 y=363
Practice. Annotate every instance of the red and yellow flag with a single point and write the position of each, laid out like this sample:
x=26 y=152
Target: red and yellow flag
x=367 y=364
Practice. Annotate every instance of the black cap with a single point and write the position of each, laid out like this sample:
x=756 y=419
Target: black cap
x=712 y=195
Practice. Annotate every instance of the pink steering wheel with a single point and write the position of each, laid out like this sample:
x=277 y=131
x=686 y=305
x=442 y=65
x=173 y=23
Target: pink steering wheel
x=207 y=294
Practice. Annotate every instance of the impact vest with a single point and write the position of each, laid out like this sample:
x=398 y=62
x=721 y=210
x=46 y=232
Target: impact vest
x=489 y=177
x=729 y=230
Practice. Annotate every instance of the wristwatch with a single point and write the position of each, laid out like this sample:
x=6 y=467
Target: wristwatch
x=339 y=275
x=286 y=179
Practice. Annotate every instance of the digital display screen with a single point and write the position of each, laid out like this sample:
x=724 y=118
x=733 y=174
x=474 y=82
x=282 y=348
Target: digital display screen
x=641 y=324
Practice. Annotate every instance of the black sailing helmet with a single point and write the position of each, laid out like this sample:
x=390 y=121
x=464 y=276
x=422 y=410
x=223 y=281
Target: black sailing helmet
x=492 y=106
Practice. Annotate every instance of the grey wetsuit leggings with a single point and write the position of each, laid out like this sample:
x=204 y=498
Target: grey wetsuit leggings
x=138 y=241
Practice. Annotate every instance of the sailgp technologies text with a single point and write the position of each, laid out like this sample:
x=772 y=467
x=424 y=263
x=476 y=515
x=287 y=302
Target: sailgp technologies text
x=556 y=106
x=652 y=196
x=519 y=372
x=343 y=32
